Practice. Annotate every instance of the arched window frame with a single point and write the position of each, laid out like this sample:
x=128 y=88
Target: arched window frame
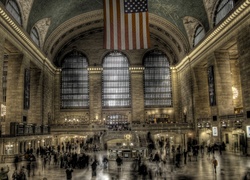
x=35 y=36
x=14 y=10
x=157 y=80
x=198 y=34
x=75 y=81
x=116 y=81
x=222 y=9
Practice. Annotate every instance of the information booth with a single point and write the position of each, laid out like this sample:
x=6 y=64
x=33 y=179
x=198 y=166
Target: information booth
x=128 y=153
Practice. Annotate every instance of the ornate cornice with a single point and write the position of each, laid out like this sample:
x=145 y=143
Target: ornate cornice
x=69 y=26
x=76 y=27
x=171 y=31
x=22 y=37
x=218 y=36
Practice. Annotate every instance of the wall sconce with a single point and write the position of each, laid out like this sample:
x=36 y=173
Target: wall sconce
x=208 y=125
x=199 y=125
x=238 y=123
x=223 y=124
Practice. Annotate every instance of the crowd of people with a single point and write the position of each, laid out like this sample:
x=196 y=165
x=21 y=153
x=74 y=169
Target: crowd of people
x=66 y=156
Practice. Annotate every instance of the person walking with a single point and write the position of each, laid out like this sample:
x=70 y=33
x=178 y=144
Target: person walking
x=215 y=164
x=4 y=173
x=94 y=167
x=185 y=156
x=69 y=172
x=119 y=163
x=15 y=175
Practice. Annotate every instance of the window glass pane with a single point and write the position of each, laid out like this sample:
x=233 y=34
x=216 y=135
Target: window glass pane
x=157 y=80
x=74 y=84
x=12 y=7
x=224 y=7
x=34 y=36
x=115 y=81
x=199 y=34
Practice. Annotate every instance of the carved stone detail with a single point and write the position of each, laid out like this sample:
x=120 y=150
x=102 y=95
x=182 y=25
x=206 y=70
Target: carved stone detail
x=190 y=24
x=210 y=6
x=42 y=28
x=25 y=6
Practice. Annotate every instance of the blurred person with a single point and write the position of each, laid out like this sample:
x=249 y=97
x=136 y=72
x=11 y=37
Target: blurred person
x=105 y=162
x=16 y=160
x=69 y=172
x=143 y=171
x=15 y=175
x=119 y=163
x=22 y=174
x=94 y=167
x=4 y=173
x=215 y=164
x=247 y=175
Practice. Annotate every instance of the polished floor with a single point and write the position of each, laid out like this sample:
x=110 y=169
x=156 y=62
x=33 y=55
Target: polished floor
x=231 y=166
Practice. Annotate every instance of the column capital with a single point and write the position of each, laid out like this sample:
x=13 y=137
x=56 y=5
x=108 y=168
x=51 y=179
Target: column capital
x=136 y=69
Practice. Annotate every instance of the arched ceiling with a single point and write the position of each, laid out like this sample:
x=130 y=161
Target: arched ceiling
x=60 y=11
x=73 y=20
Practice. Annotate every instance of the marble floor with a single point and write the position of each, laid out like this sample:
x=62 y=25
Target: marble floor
x=230 y=167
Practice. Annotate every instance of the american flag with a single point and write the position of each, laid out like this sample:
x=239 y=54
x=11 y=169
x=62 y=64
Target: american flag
x=126 y=24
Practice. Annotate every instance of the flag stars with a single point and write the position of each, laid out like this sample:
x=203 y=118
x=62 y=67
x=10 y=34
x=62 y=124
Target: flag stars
x=135 y=6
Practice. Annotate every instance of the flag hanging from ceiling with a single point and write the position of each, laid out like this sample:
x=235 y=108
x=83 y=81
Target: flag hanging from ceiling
x=126 y=24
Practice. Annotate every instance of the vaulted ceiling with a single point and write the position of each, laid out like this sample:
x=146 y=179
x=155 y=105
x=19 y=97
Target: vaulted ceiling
x=72 y=20
x=60 y=11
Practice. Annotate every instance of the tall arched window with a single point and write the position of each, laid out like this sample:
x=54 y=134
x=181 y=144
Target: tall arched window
x=198 y=35
x=157 y=80
x=35 y=36
x=14 y=10
x=223 y=8
x=115 y=81
x=75 y=84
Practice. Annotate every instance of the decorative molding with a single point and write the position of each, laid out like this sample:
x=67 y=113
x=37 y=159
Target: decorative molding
x=95 y=70
x=25 y=6
x=229 y=25
x=69 y=26
x=22 y=37
x=72 y=28
x=170 y=30
x=136 y=69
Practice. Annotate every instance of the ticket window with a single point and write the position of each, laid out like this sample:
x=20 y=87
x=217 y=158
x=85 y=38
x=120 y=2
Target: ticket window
x=126 y=154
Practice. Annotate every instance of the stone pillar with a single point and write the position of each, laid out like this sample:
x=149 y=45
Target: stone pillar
x=137 y=94
x=223 y=84
x=201 y=94
x=236 y=84
x=95 y=93
x=1 y=67
x=175 y=100
x=15 y=88
x=57 y=100
x=243 y=41
x=35 y=96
